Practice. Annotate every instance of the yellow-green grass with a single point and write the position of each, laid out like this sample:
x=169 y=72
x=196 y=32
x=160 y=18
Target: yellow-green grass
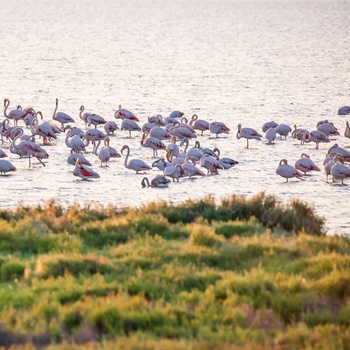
x=242 y=274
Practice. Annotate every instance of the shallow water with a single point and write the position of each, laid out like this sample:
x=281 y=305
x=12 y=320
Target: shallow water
x=233 y=61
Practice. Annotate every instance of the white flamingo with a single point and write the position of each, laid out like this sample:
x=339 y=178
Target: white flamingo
x=160 y=133
x=74 y=155
x=103 y=154
x=95 y=119
x=122 y=113
x=74 y=142
x=339 y=170
x=283 y=130
x=130 y=125
x=134 y=164
x=110 y=127
x=84 y=115
x=269 y=125
x=314 y=136
x=328 y=129
x=211 y=164
x=270 y=136
x=190 y=169
x=174 y=171
x=152 y=142
x=347 y=130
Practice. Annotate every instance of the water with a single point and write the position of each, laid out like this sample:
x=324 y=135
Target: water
x=233 y=61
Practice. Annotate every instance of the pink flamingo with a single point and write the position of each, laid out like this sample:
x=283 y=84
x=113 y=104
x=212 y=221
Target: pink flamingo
x=15 y=114
x=181 y=132
x=347 y=130
x=130 y=125
x=247 y=133
x=339 y=170
x=190 y=169
x=3 y=154
x=6 y=166
x=315 y=136
x=103 y=155
x=305 y=164
x=268 y=125
x=84 y=171
x=199 y=124
x=94 y=119
x=44 y=130
x=122 y=113
x=28 y=148
x=342 y=151
x=328 y=129
x=74 y=142
x=283 y=130
x=61 y=117
x=270 y=136
x=84 y=116
x=160 y=133
x=211 y=164
x=134 y=164
x=152 y=142
x=287 y=171
x=74 y=155
x=344 y=110
x=174 y=171
x=226 y=162
x=218 y=128
x=297 y=133
x=110 y=127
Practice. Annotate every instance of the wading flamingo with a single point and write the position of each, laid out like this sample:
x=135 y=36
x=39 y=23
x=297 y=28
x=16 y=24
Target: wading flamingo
x=61 y=117
x=84 y=171
x=134 y=164
x=247 y=133
x=159 y=181
x=305 y=164
x=287 y=171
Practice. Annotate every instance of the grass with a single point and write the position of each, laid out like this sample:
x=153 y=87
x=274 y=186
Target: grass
x=244 y=274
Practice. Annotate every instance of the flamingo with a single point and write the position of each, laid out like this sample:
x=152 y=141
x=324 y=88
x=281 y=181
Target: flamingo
x=195 y=152
x=247 y=133
x=329 y=162
x=211 y=164
x=270 y=136
x=122 y=113
x=110 y=127
x=190 y=169
x=3 y=154
x=103 y=155
x=130 y=125
x=161 y=164
x=74 y=155
x=174 y=171
x=176 y=114
x=342 y=151
x=94 y=119
x=159 y=133
x=84 y=171
x=152 y=142
x=29 y=117
x=283 y=130
x=297 y=133
x=344 y=110
x=226 y=162
x=339 y=170
x=347 y=130
x=218 y=128
x=134 y=164
x=181 y=132
x=84 y=116
x=305 y=164
x=148 y=126
x=315 y=136
x=287 y=171
x=269 y=125
x=159 y=181
x=15 y=114
x=28 y=148
x=44 y=130
x=199 y=124
x=328 y=129
x=112 y=151
x=74 y=142
x=61 y=117
x=6 y=166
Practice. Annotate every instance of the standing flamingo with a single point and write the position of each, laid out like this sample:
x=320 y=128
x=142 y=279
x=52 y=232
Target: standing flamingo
x=74 y=142
x=130 y=125
x=110 y=127
x=283 y=130
x=211 y=164
x=347 y=130
x=339 y=170
x=160 y=133
x=199 y=124
x=218 y=128
x=84 y=171
x=328 y=129
x=174 y=171
x=344 y=110
x=28 y=148
x=247 y=133
x=94 y=119
x=270 y=136
x=15 y=114
x=134 y=164
x=84 y=115
x=6 y=166
x=74 y=155
x=269 y=125
x=61 y=117
x=305 y=164
x=190 y=169
x=314 y=136
x=122 y=113
x=287 y=171
x=152 y=142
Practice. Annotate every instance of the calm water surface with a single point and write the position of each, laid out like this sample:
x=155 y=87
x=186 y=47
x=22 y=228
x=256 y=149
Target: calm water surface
x=233 y=61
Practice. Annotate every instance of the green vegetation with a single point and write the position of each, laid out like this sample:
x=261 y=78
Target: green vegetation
x=242 y=274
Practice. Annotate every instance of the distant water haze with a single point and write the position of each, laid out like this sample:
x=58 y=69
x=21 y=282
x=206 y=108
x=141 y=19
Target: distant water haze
x=233 y=61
